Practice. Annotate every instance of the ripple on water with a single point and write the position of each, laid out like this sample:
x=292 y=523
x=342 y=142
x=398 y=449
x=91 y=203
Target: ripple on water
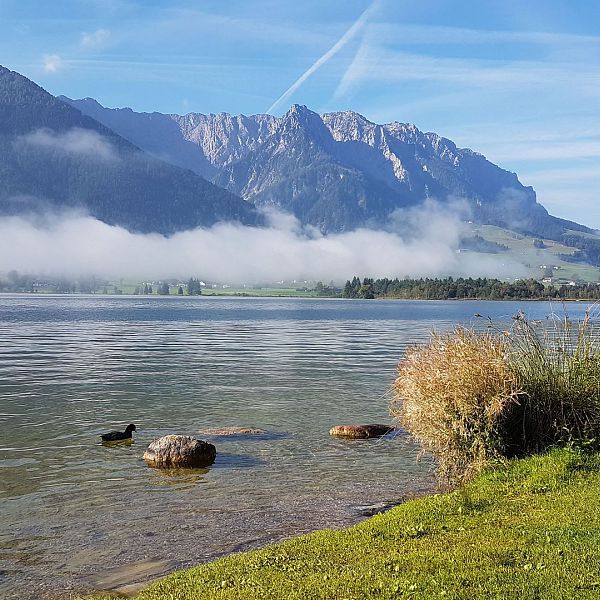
x=73 y=367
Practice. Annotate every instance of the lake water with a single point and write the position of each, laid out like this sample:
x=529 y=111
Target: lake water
x=75 y=515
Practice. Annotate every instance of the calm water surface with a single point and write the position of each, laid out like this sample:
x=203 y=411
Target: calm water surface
x=75 y=515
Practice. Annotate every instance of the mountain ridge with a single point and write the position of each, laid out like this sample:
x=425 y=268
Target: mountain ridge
x=336 y=171
x=154 y=172
x=55 y=157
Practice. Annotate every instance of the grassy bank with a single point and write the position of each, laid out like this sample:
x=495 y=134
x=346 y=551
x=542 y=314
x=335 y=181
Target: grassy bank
x=528 y=529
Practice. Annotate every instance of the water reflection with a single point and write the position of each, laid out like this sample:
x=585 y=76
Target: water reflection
x=117 y=443
x=238 y=461
x=182 y=478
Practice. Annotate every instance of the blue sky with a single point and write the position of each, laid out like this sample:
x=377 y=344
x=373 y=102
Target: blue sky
x=517 y=81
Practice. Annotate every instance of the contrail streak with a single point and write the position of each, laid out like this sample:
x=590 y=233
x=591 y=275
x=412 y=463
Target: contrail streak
x=354 y=29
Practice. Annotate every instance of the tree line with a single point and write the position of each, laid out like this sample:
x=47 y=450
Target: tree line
x=17 y=282
x=588 y=249
x=466 y=288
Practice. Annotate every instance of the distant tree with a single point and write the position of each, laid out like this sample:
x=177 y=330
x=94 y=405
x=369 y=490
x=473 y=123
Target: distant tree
x=476 y=243
x=352 y=288
x=22 y=283
x=64 y=286
x=13 y=280
x=180 y=291
x=366 y=289
x=150 y=290
x=87 y=285
x=588 y=249
x=163 y=289
x=347 y=293
x=193 y=287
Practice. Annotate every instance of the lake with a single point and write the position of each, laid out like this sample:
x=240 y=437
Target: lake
x=75 y=515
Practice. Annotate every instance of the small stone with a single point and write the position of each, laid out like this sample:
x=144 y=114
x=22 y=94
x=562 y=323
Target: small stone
x=230 y=431
x=360 y=431
x=179 y=451
x=377 y=508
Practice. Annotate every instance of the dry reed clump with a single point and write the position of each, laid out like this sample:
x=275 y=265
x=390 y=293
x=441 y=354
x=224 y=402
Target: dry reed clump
x=451 y=395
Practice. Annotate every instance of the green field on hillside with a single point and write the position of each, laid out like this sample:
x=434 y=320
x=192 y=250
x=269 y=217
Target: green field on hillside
x=522 y=250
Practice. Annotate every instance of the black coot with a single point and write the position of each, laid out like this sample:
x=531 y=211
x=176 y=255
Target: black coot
x=115 y=436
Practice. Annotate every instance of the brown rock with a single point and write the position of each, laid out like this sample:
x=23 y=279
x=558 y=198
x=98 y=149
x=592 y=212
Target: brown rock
x=179 y=451
x=361 y=431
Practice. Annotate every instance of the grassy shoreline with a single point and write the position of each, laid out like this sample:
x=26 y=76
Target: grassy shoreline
x=529 y=528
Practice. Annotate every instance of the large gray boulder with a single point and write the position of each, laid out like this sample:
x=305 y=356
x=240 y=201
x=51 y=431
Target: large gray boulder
x=179 y=451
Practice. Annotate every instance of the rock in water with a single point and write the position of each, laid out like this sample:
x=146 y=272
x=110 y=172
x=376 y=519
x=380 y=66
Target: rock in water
x=231 y=431
x=179 y=451
x=360 y=431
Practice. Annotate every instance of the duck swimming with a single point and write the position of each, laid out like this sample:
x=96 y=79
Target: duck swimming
x=116 y=436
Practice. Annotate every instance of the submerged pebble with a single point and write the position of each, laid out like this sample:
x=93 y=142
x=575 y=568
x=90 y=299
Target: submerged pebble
x=361 y=431
x=231 y=431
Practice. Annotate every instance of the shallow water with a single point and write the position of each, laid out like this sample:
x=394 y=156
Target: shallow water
x=75 y=515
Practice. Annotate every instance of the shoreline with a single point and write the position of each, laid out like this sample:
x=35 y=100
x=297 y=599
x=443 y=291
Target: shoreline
x=531 y=525
x=291 y=296
x=130 y=587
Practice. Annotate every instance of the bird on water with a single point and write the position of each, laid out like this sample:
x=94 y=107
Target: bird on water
x=116 y=436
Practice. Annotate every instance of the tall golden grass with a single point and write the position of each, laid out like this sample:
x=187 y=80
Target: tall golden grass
x=470 y=396
x=450 y=395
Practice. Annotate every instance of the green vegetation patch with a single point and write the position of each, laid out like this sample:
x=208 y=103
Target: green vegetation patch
x=261 y=292
x=527 y=529
x=522 y=249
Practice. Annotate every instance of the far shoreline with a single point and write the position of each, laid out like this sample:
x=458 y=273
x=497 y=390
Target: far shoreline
x=286 y=296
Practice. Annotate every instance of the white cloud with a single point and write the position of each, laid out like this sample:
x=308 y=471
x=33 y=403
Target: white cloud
x=52 y=63
x=406 y=34
x=554 y=174
x=558 y=150
x=184 y=22
x=233 y=253
x=94 y=40
x=75 y=141
x=375 y=64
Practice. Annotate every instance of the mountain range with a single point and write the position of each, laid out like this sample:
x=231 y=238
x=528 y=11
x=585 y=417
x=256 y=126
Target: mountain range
x=336 y=171
x=154 y=172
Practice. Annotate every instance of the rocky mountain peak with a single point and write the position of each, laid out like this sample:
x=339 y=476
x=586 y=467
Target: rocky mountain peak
x=300 y=116
x=299 y=126
x=349 y=125
x=338 y=170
